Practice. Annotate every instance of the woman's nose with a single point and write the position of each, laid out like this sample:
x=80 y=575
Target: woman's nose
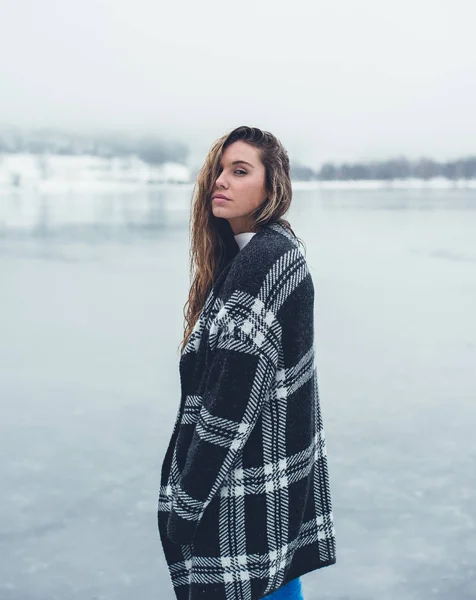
x=221 y=181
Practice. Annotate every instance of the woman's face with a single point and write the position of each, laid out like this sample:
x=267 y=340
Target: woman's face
x=242 y=180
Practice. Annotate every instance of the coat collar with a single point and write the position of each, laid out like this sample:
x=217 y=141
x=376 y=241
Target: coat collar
x=268 y=229
x=273 y=228
x=283 y=230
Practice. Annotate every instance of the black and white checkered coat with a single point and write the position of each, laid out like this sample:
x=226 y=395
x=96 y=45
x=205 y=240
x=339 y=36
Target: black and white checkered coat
x=244 y=503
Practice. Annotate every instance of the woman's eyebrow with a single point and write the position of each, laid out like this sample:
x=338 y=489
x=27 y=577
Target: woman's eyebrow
x=236 y=162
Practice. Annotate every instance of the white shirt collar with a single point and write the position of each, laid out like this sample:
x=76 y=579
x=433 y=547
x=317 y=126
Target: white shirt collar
x=243 y=238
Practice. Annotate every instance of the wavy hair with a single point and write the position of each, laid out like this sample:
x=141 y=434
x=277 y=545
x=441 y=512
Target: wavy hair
x=212 y=244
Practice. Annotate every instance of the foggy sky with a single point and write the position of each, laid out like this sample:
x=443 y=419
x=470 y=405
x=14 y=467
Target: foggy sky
x=333 y=80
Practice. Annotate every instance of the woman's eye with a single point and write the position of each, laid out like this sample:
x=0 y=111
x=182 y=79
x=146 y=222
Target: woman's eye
x=240 y=170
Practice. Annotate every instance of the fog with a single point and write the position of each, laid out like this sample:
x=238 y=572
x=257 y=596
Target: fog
x=333 y=80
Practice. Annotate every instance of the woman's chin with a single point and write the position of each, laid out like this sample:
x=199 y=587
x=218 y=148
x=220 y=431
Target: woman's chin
x=220 y=211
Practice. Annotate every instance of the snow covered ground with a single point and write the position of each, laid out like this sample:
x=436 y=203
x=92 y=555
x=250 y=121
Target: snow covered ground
x=434 y=183
x=89 y=389
x=62 y=173
x=52 y=174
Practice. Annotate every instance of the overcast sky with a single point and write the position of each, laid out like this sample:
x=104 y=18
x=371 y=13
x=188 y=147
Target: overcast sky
x=334 y=80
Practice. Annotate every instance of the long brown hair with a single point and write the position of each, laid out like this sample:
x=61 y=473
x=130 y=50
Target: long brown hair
x=212 y=244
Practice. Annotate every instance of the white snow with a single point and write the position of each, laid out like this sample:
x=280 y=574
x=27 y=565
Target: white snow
x=371 y=184
x=51 y=173
x=57 y=173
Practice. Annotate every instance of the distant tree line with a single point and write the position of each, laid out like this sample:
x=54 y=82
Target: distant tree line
x=394 y=168
x=155 y=150
x=150 y=148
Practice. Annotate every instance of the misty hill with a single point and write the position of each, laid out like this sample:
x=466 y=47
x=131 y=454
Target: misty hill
x=151 y=148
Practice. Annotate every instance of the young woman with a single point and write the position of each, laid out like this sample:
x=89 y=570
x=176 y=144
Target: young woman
x=244 y=505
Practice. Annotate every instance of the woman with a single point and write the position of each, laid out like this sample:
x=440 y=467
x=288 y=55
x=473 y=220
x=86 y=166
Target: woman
x=244 y=506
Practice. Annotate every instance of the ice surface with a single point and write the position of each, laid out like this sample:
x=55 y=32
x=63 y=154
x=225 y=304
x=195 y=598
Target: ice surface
x=90 y=322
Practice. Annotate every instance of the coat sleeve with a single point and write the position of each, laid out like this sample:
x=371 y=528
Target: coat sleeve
x=239 y=379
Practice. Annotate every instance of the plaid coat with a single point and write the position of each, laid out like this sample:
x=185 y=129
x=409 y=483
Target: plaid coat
x=244 y=504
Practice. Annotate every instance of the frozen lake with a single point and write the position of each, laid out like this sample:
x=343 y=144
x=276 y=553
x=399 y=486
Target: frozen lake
x=91 y=295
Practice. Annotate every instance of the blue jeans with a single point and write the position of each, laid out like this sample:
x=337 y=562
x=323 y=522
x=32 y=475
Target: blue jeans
x=291 y=591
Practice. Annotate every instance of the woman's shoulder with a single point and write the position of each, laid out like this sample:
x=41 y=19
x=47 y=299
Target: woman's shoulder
x=266 y=248
x=267 y=261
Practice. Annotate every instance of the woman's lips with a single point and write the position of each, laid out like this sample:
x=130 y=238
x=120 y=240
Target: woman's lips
x=220 y=199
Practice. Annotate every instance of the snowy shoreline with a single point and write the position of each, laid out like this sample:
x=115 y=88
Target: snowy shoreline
x=58 y=174
x=370 y=184
x=59 y=186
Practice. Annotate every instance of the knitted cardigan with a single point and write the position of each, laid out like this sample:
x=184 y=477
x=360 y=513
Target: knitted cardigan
x=244 y=504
